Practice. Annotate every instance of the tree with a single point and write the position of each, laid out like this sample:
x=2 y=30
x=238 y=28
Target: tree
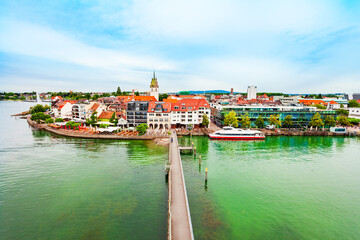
x=260 y=122
x=342 y=112
x=319 y=106
x=137 y=93
x=49 y=120
x=118 y=91
x=163 y=96
x=231 y=119
x=288 y=121
x=112 y=118
x=274 y=120
x=316 y=121
x=329 y=121
x=92 y=120
x=354 y=103
x=142 y=128
x=205 y=121
x=343 y=120
x=245 y=121
x=319 y=96
x=38 y=108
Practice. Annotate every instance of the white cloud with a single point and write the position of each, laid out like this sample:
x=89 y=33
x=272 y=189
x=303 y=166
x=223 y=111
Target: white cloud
x=32 y=40
x=203 y=19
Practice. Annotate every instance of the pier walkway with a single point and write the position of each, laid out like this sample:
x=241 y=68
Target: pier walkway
x=179 y=224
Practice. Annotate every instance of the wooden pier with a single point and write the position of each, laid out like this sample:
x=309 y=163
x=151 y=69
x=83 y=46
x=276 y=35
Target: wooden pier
x=179 y=219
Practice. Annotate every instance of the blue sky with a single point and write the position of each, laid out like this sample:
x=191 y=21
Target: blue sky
x=299 y=46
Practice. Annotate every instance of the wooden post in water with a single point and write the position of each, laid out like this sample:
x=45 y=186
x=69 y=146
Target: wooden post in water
x=205 y=175
x=199 y=159
x=194 y=150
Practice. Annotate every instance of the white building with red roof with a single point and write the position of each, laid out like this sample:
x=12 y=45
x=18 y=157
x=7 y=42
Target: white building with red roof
x=63 y=109
x=186 y=112
x=159 y=115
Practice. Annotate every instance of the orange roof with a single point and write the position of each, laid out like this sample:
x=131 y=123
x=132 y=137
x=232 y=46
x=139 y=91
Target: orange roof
x=165 y=106
x=172 y=100
x=144 y=98
x=106 y=115
x=190 y=104
x=333 y=102
x=311 y=101
x=95 y=106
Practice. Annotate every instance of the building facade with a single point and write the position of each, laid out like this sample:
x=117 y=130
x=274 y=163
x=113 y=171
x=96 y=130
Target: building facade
x=301 y=115
x=354 y=113
x=251 y=92
x=189 y=112
x=159 y=115
x=137 y=112
x=154 y=88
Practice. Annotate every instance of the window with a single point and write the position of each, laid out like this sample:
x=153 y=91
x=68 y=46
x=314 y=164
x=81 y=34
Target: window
x=183 y=108
x=189 y=108
x=176 y=107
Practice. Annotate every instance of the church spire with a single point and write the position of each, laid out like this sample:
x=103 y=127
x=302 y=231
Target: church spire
x=154 y=82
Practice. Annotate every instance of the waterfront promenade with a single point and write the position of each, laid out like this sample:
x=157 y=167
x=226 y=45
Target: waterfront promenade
x=180 y=226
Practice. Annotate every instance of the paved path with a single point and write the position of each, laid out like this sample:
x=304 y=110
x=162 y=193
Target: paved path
x=181 y=227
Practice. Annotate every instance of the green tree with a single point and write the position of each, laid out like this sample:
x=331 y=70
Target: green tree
x=260 y=122
x=342 y=112
x=231 y=119
x=316 y=121
x=343 y=120
x=137 y=93
x=319 y=106
x=118 y=91
x=163 y=96
x=354 y=103
x=205 y=121
x=288 y=121
x=274 y=120
x=93 y=119
x=38 y=108
x=319 y=96
x=329 y=121
x=245 y=121
x=49 y=120
x=112 y=118
x=142 y=128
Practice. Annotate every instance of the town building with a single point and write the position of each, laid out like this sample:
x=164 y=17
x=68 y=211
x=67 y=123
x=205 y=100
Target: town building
x=158 y=116
x=251 y=92
x=189 y=112
x=354 y=113
x=63 y=109
x=137 y=112
x=154 y=88
x=356 y=96
x=301 y=114
x=287 y=101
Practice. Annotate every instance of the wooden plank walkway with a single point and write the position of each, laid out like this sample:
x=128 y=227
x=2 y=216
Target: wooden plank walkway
x=180 y=226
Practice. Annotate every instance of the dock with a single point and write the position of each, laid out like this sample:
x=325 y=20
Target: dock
x=179 y=219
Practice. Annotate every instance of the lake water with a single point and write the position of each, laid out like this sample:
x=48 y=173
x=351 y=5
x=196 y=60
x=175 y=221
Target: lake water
x=281 y=188
x=61 y=188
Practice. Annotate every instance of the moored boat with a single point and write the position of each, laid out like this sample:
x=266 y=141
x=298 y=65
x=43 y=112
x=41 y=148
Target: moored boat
x=230 y=133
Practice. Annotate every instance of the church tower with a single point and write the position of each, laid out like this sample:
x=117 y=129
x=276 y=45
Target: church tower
x=154 y=87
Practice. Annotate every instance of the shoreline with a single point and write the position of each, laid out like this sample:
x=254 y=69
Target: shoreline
x=66 y=133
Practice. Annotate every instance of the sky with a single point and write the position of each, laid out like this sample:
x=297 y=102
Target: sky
x=298 y=46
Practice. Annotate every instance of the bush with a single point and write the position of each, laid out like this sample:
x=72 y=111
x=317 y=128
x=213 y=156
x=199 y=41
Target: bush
x=39 y=116
x=354 y=121
x=73 y=124
x=38 y=108
x=142 y=128
x=49 y=120
x=59 y=120
x=103 y=126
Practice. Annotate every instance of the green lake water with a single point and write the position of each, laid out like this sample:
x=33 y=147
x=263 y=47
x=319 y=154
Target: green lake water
x=280 y=188
x=60 y=188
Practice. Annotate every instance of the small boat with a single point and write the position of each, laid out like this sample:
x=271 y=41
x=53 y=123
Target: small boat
x=230 y=133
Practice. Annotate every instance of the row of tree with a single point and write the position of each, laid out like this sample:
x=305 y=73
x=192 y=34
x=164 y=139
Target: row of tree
x=316 y=121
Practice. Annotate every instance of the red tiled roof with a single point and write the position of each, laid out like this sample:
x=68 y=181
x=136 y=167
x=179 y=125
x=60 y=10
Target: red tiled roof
x=333 y=102
x=172 y=100
x=191 y=104
x=311 y=101
x=95 y=106
x=106 y=115
x=165 y=106
x=144 y=98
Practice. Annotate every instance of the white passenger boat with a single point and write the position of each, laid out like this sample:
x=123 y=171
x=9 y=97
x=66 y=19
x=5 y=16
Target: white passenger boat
x=230 y=133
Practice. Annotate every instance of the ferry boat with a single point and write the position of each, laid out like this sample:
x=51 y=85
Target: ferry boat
x=230 y=133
